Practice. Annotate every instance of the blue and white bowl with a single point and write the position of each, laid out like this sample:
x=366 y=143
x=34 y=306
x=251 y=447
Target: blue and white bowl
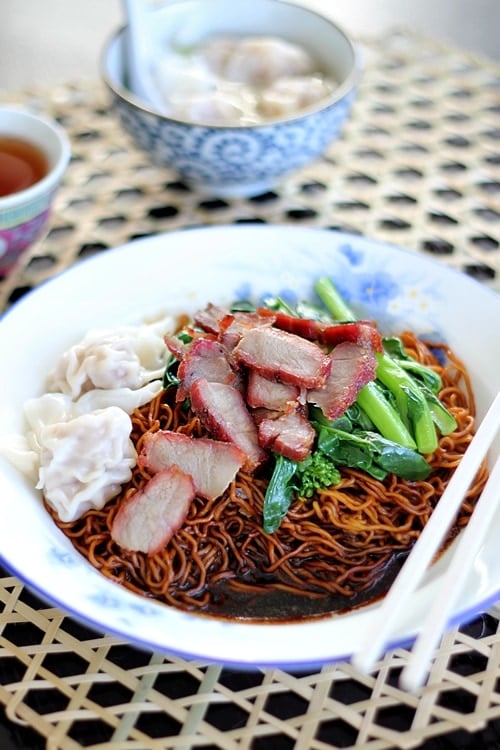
x=237 y=160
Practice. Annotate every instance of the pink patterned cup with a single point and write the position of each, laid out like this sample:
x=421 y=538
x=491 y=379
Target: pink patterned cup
x=24 y=214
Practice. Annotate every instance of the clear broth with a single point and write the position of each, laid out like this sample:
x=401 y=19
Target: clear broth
x=22 y=164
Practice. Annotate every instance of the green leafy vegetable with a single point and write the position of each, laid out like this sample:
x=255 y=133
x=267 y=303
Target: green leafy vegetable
x=314 y=473
x=333 y=300
x=395 y=349
x=170 y=377
x=379 y=409
x=242 y=305
x=278 y=494
x=279 y=304
x=430 y=384
x=372 y=453
x=412 y=406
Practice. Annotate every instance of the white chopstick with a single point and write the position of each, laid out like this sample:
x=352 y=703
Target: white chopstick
x=414 y=673
x=427 y=544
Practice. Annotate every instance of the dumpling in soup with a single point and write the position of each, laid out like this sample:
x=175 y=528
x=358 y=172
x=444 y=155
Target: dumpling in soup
x=256 y=61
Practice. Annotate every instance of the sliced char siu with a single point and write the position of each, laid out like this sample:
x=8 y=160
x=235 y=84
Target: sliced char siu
x=205 y=359
x=229 y=326
x=212 y=317
x=223 y=412
x=212 y=464
x=352 y=367
x=147 y=520
x=270 y=394
x=283 y=356
x=364 y=332
x=175 y=346
x=290 y=435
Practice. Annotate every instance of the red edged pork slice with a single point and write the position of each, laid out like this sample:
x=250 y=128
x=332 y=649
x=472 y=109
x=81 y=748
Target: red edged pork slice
x=241 y=323
x=212 y=464
x=147 y=520
x=206 y=359
x=175 y=346
x=223 y=412
x=212 y=317
x=290 y=435
x=229 y=326
x=353 y=366
x=364 y=332
x=283 y=356
x=270 y=394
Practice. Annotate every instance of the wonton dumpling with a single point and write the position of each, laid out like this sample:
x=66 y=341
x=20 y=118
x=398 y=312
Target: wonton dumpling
x=127 y=399
x=212 y=108
x=84 y=461
x=256 y=61
x=289 y=95
x=23 y=451
x=127 y=356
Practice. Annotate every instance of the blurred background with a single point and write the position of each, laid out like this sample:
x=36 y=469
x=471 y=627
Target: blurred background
x=54 y=41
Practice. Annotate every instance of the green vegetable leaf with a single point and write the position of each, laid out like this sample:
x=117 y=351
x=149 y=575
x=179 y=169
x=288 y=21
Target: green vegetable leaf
x=347 y=449
x=279 y=305
x=333 y=300
x=410 y=401
x=443 y=419
x=242 y=305
x=395 y=349
x=398 y=460
x=372 y=453
x=170 y=377
x=278 y=494
x=312 y=312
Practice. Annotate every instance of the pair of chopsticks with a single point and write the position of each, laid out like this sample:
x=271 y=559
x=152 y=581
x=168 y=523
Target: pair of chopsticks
x=415 y=671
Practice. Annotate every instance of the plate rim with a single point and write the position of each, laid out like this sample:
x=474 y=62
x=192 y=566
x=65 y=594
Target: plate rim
x=112 y=253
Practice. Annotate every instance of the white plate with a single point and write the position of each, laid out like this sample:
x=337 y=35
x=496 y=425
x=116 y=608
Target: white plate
x=182 y=271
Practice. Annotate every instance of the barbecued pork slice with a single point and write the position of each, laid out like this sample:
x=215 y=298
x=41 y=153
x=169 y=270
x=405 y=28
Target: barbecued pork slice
x=223 y=412
x=205 y=359
x=270 y=394
x=211 y=317
x=283 y=356
x=290 y=435
x=242 y=322
x=175 y=346
x=353 y=366
x=147 y=520
x=212 y=464
x=229 y=326
x=364 y=332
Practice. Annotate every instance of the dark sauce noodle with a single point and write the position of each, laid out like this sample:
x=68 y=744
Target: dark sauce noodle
x=334 y=552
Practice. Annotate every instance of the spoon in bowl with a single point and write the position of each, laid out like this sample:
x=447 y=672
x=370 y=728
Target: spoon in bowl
x=139 y=54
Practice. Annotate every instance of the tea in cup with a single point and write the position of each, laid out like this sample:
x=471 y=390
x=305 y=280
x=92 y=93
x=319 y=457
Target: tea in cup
x=34 y=154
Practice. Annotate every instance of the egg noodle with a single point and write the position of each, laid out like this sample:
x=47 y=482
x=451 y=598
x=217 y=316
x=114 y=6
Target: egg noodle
x=331 y=551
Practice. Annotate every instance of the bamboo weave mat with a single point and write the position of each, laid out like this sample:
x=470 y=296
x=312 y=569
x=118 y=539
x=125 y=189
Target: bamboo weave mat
x=418 y=165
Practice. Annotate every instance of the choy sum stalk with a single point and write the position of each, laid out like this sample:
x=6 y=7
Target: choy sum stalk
x=418 y=410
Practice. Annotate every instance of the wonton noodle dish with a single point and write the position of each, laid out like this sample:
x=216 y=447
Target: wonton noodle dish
x=254 y=461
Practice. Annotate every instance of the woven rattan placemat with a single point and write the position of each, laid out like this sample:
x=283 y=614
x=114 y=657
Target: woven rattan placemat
x=418 y=165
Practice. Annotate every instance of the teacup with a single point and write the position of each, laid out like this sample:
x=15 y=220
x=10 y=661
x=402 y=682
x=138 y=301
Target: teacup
x=34 y=154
